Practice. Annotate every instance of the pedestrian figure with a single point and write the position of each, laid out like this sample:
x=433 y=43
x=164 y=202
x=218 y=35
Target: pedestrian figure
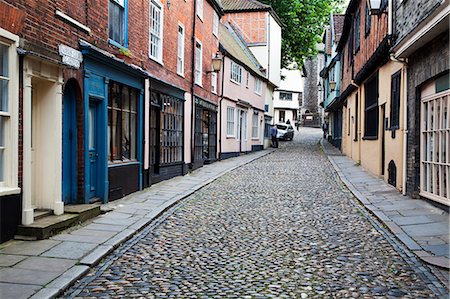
x=325 y=130
x=273 y=134
x=297 y=125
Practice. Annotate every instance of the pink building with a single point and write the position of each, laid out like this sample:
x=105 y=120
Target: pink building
x=241 y=126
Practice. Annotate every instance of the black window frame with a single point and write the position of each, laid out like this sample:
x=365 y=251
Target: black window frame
x=368 y=20
x=357 y=31
x=395 y=101
x=371 y=111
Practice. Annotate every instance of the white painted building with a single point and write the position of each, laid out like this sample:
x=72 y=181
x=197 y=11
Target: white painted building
x=288 y=98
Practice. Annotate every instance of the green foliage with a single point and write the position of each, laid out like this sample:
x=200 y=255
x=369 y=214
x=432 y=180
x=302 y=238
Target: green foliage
x=303 y=25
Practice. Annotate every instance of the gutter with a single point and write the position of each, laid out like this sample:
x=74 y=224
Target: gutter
x=194 y=40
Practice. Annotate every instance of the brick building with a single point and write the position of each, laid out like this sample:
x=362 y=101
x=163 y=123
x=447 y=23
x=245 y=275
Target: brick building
x=370 y=86
x=422 y=44
x=97 y=105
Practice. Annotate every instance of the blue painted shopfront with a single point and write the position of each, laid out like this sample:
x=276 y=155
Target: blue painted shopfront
x=99 y=72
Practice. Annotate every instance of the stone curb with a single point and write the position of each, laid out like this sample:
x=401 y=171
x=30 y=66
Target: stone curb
x=61 y=283
x=409 y=242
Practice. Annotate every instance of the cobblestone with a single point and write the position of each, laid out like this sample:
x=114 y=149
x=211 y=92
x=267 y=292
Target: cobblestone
x=279 y=227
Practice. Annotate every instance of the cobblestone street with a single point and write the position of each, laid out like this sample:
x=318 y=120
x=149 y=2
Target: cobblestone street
x=281 y=226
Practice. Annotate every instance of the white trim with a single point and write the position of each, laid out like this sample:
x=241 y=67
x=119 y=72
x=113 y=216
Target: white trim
x=200 y=4
x=72 y=21
x=158 y=5
x=180 y=25
x=200 y=81
x=422 y=32
x=9 y=191
x=215 y=30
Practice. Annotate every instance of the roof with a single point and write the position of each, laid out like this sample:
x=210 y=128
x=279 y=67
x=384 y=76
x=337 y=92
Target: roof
x=338 y=23
x=244 y=5
x=217 y=5
x=230 y=6
x=235 y=47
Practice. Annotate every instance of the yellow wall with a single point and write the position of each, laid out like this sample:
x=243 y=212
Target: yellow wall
x=369 y=152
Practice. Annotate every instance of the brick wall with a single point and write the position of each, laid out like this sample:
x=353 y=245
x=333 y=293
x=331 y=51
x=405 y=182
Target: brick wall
x=368 y=44
x=252 y=25
x=425 y=64
x=409 y=14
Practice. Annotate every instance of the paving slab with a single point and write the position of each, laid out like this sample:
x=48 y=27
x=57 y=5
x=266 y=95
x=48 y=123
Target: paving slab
x=70 y=250
x=29 y=247
x=8 y=260
x=45 y=264
x=26 y=276
x=17 y=291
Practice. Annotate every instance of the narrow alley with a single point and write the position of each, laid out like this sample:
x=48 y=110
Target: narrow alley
x=282 y=226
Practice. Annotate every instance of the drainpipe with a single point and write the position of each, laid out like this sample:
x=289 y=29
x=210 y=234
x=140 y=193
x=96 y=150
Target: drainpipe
x=193 y=84
x=405 y=117
x=220 y=105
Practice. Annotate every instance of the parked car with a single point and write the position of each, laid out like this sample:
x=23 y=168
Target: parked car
x=285 y=131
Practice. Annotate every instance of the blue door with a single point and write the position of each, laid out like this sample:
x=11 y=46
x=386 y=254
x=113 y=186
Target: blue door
x=93 y=148
x=69 y=191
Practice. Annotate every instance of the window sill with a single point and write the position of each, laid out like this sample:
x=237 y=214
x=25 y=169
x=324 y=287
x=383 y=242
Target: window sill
x=9 y=191
x=199 y=84
x=370 y=138
x=235 y=82
x=122 y=163
x=159 y=61
x=181 y=75
x=255 y=138
x=116 y=44
x=231 y=137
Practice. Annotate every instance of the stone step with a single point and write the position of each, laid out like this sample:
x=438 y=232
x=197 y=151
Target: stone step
x=50 y=225
x=41 y=213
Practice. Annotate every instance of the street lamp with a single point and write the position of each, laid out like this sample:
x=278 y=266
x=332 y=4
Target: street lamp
x=374 y=6
x=332 y=85
x=216 y=63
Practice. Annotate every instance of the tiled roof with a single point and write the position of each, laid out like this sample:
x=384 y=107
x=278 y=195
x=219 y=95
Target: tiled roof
x=338 y=26
x=244 y=5
x=237 y=49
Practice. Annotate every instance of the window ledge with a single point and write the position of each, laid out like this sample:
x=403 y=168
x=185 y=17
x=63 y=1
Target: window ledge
x=235 y=82
x=9 y=191
x=231 y=137
x=159 y=61
x=370 y=138
x=116 y=44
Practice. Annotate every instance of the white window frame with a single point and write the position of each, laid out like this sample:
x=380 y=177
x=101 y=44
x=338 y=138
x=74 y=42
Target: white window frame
x=231 y=122
x=236 y=73
x=215 y=30
x=247 y=83
x=199 y=64
x=255 y=126
x=180 y=50
x=200 y=5
x=433 y=151
x=213 y=81
x=9 y=184
x=258 y=86
x=158 y=57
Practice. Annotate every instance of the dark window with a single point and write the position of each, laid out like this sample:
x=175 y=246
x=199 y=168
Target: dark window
x=350 y=50
x=349 y=123
x=356 y=117
x=122 y=122
x=116 y=21
x=395 y=101
x=171 y=130
x=205 y=134
x=368 y=20
x=266 y=108
x=357 y=31
x=282 y=116
x=383 y=5
x=371 y=108
x=286 y=96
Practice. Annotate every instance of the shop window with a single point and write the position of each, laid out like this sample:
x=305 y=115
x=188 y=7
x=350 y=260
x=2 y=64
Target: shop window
x=198 y=63
x=205 y=133
x=122 y=123
x=180 y=52
x=8 y=113
x=255 y=126
x=117 y=22
x=395 y=101
x=171 y=130
x=371 y=108
x=230 y=121
x=236 y=73
x=156 y=30
x=286 y=96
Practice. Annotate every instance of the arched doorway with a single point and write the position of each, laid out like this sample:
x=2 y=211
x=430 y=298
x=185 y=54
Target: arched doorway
x=69 y=171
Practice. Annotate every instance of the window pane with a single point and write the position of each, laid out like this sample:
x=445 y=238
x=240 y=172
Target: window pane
x=133 y=100
x=126 y=98
x=126 y=136
x=4 y=60
x=1 y=165
x=3 y=95
x=116 y=139
x=133 y=135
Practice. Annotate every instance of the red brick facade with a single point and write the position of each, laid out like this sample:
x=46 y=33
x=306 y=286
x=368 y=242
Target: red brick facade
x=252 y=25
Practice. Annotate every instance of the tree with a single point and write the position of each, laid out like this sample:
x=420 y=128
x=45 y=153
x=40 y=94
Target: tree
x=303 y=24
